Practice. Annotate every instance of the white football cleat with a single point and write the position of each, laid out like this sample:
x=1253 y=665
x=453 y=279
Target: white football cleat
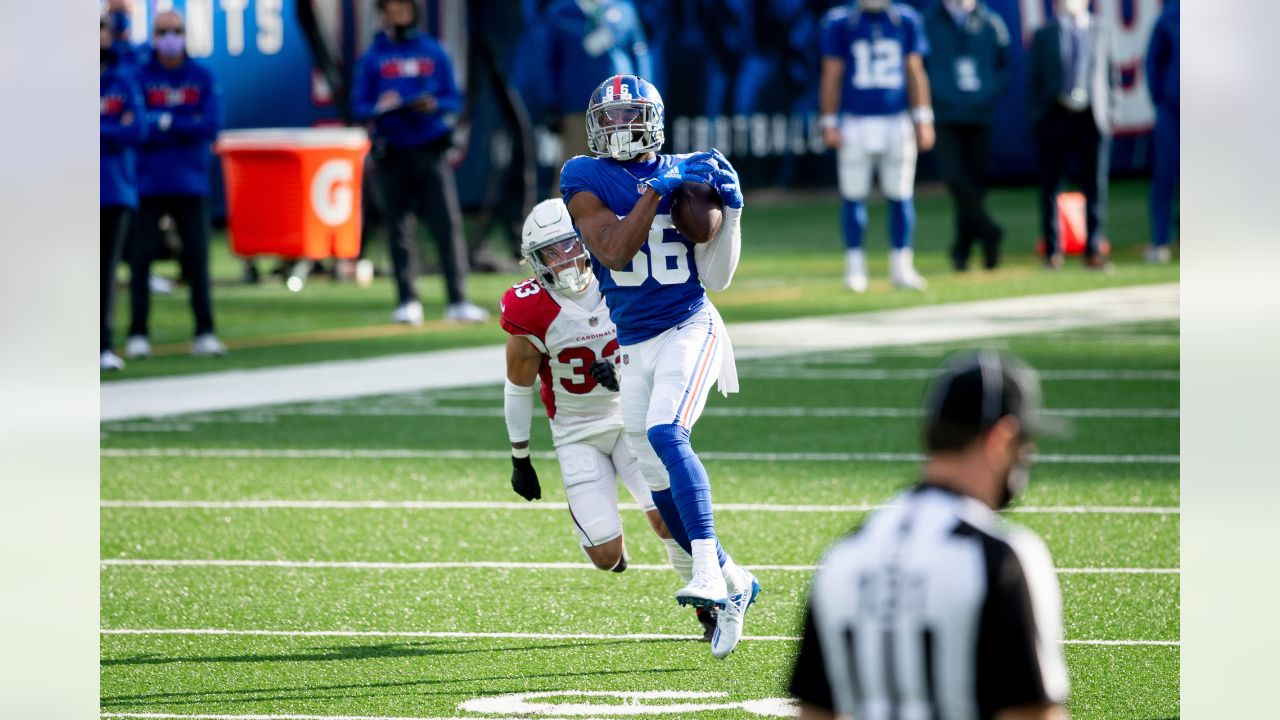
x=855 y=270
x=706 y=589
x=137 y=346
x=902 y=271
x=466 y=312
x=110 y=361
x=409 y=313
x=730 y=621
x=208 y=345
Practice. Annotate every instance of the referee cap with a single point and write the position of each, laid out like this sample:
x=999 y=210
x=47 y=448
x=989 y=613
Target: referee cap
x=973 y=390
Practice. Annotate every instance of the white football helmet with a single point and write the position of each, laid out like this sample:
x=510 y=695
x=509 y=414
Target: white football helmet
x=551 y=246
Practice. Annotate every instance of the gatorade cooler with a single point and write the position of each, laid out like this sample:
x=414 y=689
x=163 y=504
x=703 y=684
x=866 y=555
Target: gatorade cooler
x=1072 y=229
x=294 y=193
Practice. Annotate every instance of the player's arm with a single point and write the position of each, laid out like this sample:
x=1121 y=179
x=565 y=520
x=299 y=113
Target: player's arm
x=612 y=240
x=829 y=99
x=523 y=362
x=718 y=258
x=920 y=102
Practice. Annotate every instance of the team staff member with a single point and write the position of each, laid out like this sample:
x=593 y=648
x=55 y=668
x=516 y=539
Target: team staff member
x=404 y=84
x=183 y=114
x=121 y=125
x=968 y=71
x=936 y=607
x=1164 y=79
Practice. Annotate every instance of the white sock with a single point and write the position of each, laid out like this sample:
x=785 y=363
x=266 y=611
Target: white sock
x=681 y=561
x=855 y=262
x=704 y=556
x=734 y=577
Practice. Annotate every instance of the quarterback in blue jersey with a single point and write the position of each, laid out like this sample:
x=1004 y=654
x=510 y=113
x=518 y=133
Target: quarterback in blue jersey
x=673 y=342
x=876 y=113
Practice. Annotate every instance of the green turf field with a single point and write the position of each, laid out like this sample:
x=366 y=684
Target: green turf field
x=371 y=560
x=792 y=265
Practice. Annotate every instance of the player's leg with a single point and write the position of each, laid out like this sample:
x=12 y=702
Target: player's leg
x=143 y=246
x=1166 y=165
x=853 y=169
x=397 y=180
x=592 y=494
x=897 y=171
x=192 y=222
x=1052 y=154
x=1095 y=167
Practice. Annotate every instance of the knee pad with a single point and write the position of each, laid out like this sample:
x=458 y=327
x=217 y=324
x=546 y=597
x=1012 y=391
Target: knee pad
x=655 y=475
x=670 y=443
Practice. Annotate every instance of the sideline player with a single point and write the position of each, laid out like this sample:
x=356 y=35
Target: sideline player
x=673 y=343
x=872 y=69
x=561 y=332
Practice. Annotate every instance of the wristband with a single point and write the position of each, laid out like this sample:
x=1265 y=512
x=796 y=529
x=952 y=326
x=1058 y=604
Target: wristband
x=520 y=453
x=923 y=115
x=828 y=121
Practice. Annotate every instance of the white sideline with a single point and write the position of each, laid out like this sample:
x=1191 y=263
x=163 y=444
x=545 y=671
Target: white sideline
x=493 y=565
x=510 y=635
x=808 y=373
x=561 y=507
x=208 y=716
x=232 y=389
x=414 y=454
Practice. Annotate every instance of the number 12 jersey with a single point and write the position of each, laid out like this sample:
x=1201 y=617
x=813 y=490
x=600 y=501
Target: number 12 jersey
x=874 y=47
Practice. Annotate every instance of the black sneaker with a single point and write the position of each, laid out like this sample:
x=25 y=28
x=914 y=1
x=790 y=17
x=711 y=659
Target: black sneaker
x=707 y=617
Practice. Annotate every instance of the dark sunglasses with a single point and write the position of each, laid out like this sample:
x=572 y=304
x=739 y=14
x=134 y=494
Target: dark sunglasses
x=170 y=31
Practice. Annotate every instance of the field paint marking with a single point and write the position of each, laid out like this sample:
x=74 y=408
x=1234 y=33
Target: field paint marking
x=559 y=507
x=802 y=373
x=510 y=635
x=519 y=704
x=952 y=322
x=494 y=565
x=207 y=716
x=411 y=454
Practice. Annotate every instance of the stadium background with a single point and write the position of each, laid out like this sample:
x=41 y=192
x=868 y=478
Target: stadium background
x=284 y=63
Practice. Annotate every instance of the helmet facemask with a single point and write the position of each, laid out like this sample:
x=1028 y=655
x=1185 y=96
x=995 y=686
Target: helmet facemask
x=561 y=263
x=624 y=129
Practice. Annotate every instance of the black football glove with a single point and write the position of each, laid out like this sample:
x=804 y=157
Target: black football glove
x=605 y=374
x=524 y=479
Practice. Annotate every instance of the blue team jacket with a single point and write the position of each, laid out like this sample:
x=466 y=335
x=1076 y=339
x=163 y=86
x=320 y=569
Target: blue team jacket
x=119 y=99
x=1164 y=74
x=414 y=67
x=583 y=51
x=174 y=160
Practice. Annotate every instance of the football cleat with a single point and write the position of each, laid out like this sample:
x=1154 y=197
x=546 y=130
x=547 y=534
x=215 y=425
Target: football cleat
x=137 y=346
x=409 y=313
x=855 y=270
x=707 y=618
x=706 y=589
x=902 y=271
x=108 y=360
x=208 y=345
x=730 y=621
x=466 y=312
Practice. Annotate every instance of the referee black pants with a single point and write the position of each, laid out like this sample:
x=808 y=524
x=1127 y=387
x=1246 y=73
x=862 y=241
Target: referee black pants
x=420 y=179
x=190 y=217
x=114 y=228
x=962 y=161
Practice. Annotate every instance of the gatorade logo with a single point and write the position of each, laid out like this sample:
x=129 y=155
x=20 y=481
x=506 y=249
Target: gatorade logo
x=331 y=196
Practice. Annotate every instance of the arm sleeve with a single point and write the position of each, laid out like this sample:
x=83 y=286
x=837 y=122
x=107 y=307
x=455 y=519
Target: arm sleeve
x=364 y=92
x=450 y=99
x=718 y=259
x=830 y=38
x=917 y=38
x=809 y=683
x=517 y=409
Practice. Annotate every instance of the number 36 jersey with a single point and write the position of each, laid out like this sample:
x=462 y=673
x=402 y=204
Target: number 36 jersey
x=659 y=288
x=570 y=338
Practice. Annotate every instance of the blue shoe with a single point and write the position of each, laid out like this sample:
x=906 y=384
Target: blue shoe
x=729 y=624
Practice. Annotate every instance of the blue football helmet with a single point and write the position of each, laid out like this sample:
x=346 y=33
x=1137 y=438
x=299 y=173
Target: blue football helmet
x=625 y=118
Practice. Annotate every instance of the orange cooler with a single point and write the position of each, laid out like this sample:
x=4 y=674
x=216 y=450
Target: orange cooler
x=294 y=193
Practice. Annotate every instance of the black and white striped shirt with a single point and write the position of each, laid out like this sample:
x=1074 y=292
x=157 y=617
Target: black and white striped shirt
x=935 y=609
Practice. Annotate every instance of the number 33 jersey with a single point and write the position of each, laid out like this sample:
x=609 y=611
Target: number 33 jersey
x=660 y=287
x=570 y=338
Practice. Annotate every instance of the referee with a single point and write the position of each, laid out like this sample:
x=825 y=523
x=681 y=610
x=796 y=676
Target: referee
x=935 y=608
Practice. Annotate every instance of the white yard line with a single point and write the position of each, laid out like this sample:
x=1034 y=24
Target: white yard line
x=234 y=389
x=508 y=635
x=414 y=454
x=561 y=507
x=492 y=565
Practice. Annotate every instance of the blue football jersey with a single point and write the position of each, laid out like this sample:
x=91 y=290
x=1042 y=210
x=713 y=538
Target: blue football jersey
x=874 y=47
x=659 y=288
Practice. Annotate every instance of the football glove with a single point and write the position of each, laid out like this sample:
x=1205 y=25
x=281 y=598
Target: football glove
x=524 y=479
x=605 y=374
x=693 y=168
x=722 y=177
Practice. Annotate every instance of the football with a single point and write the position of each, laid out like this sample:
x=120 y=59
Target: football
x=697 y=211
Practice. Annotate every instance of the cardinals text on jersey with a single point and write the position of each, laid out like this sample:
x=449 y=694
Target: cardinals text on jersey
x=570 y=339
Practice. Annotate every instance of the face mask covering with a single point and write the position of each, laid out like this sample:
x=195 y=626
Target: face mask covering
x=119 y=22
x=170 y=46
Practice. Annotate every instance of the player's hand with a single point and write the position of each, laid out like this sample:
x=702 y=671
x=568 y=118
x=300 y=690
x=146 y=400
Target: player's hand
x=691 y=169
x=724 y=179
x=925 y=136
x=832 y=137
x=605 y=374
x=387 y=101
x=524 y=479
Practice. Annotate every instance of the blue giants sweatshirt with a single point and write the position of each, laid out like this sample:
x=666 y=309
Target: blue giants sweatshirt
x=175 y=156
x=413 y=67
x=119 y=99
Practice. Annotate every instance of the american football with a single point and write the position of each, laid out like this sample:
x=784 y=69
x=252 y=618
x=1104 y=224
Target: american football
x=697 y=211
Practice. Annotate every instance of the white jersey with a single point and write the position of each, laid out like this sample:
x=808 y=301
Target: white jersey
x=571 y=337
